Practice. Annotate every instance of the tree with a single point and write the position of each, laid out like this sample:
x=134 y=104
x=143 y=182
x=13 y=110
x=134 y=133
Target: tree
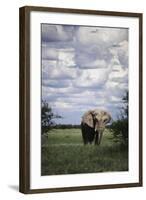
x=120 y=127
x=125 y=108
x=47 y=117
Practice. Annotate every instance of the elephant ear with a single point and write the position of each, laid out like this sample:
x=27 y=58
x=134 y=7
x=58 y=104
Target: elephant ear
x=88 y=118
x=108 y=117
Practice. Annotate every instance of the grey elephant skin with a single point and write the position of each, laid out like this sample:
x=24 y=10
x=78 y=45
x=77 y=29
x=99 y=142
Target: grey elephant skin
x=93 y=124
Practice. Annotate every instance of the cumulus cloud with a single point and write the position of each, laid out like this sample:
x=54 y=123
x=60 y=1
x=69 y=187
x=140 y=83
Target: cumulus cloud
x=84 y=68
x=53 y=33
x=91 y=78
x=100 y=36
x=66 y=57
x=56 y=83
x=121 y=52
x=94 y=65
x=49 y=53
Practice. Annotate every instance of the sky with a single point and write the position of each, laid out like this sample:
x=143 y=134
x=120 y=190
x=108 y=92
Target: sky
x=83 y=68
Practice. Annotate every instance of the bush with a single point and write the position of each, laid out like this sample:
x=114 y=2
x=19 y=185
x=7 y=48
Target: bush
x=119 y=128
x=47 y=117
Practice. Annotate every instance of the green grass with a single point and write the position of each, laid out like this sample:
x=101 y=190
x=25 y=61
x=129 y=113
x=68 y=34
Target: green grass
x=63 y=152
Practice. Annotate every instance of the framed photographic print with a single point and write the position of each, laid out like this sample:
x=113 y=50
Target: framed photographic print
x=80 y=99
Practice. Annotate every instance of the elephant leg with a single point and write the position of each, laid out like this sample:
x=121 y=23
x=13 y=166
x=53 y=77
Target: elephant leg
x=88 y=134
x=96 y=138
x=85 y=141
x=84 y=135
x=91 y=136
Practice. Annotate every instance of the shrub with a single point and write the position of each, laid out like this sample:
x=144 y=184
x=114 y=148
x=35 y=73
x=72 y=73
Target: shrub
x=47 y=117
x=120 y=131
x=119 y=128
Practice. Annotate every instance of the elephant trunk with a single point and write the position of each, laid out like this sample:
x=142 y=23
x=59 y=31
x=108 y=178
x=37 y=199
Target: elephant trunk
x=100 y=133
x=98 y=137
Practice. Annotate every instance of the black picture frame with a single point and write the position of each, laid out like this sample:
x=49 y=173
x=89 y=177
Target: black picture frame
x=24 y=142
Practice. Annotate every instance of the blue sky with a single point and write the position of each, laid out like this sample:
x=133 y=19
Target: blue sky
x=83 y=68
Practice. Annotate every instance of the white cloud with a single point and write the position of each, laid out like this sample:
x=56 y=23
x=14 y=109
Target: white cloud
x=118 y=76
x=121 y=53
x=53 y=33
x=61 y=68
x=101 y=36
x=66 y=57
x=62 y=105
x=114 y=99
x=84 y=68
x=124 y=47
x=49 y=53
x=54 y=83
x=94 y=65
x=91 y=78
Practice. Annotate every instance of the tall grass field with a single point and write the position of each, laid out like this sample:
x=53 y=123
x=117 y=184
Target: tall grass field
x=63 y=152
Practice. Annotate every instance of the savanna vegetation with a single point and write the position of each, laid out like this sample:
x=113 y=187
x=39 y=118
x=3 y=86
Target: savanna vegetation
x=63 y=151
x=119 y=127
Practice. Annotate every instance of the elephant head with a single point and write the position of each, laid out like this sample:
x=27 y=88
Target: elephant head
x=96 y=119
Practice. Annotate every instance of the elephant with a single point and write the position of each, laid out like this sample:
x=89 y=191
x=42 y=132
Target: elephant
x=93 y=124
